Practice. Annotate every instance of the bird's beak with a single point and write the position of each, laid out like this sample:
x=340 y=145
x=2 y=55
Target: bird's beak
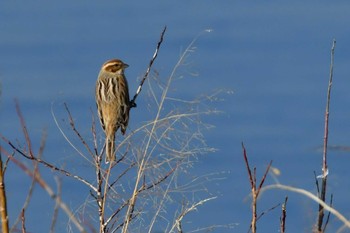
x=125 y=65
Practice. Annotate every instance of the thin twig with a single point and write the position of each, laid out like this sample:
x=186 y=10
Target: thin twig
x=24 y=127
x=30 y=155
x=284 y=216
x=47 y=188
x=32 y=185
x=116 y=212
x=66 y=137
x=55 y=211
x=72 y=124
x=132 y=102
x=23 y=218
x=161 y=204
x=317 y=184
x=328 y=215
x=160 y=180
x=64 y=172
x=264 y=178
x=255 y=190
x=267 y=211
x=194 y=206
x=121 y=175
x=248 y=167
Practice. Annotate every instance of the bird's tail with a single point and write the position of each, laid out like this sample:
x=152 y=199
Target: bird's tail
x=110 y=156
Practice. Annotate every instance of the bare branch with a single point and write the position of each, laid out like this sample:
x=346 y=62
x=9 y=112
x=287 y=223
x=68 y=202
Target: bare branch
x=325 y=144
x=284 y=216
x=32 y=185
x=3 y=200
x=133 y=101
x=47 y=188
x=24 y=128
x=267 y=211
x=23 y=218
x=255 y=191
x=30 y=155
x=328 y=215
x=55 y=211
x=252 y=184
x=263 y=179
x=72 y=124
x=64 y=172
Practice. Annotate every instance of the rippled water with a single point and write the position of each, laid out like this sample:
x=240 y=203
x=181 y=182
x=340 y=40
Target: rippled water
x=274 y=56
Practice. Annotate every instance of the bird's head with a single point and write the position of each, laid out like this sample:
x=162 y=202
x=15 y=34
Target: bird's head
x=115 y=66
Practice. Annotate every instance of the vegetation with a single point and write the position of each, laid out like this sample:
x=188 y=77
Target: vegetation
x=149 y=176
x=149 y=181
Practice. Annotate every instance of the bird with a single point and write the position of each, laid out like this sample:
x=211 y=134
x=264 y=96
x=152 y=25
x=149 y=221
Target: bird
x=113 y=102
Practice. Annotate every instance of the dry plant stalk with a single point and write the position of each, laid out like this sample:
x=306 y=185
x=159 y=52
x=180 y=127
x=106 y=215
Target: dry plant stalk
x=320 y=218
x=23 y=219
x=3 y=201
x=284 y=216
x=255 y=189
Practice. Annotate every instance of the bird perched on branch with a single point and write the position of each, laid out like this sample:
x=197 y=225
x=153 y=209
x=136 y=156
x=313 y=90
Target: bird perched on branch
x=113 y=104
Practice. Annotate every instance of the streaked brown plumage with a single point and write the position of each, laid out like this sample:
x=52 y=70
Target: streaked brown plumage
x=112 y=99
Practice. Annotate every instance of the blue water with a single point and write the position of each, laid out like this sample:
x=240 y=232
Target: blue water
x=274 y=57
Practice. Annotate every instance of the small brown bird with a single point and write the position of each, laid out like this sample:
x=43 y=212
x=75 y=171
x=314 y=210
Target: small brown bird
x=113 y=104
